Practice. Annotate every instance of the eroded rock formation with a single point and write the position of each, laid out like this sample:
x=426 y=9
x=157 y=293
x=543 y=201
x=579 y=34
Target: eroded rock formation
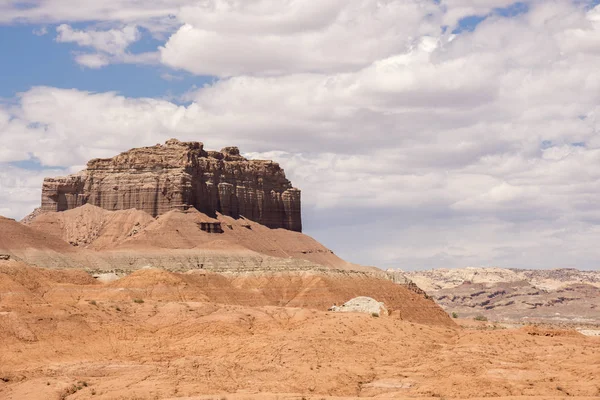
x=181 y=175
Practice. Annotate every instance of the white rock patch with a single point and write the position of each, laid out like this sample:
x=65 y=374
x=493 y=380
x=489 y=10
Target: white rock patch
x=362 y=304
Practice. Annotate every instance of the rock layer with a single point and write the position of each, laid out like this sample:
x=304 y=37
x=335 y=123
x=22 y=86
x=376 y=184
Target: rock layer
x=499 y=294
x=180 y=175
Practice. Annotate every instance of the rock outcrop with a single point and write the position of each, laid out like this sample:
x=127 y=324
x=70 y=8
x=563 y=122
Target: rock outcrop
x=178 y=176
x=362 y=304
x=499 y=294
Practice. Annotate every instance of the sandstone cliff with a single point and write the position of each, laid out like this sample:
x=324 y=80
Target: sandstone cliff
x=177 y=176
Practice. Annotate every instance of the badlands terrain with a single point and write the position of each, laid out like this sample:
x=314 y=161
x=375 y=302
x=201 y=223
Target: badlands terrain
x=162 y=288
x=560 y=296
x=156 y=334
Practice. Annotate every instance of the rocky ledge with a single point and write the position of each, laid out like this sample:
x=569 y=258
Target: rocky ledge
x=181 y=175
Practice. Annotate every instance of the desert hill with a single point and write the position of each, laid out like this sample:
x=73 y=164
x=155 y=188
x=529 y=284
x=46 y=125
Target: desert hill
x=22 y=242
x=559 y=296
x=89 y=226
x=25 y=284
x=182 y=240
x=198 y=258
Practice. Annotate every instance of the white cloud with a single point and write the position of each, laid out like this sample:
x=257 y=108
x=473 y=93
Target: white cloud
x=157 y=15
x=20 y=189
x=171 y=77
x=93 y=60
x=40 y=31
x=268 y=37
x=110 y=45
x=426 y=149
x=113 y=41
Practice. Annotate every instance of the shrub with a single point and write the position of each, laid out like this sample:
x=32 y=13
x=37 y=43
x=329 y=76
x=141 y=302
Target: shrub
x=454 y=315
x=69 y=391
x=375 y=315
x=480 y=318
x=93 y=302
x=139 y=301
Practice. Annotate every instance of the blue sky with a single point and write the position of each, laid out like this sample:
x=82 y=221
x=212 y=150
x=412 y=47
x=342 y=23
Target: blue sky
x=470 y=22
x=422 y=133
x=41 y=61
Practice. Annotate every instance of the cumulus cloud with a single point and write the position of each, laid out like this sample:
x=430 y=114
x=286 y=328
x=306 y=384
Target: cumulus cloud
x=414 y=146
x=267 y=37
x=110 y=45
x=113 y=41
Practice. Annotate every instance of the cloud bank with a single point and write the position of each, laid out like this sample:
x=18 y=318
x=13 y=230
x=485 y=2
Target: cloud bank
x=416 y=144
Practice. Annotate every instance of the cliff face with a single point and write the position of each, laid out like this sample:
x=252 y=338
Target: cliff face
x=180 y=175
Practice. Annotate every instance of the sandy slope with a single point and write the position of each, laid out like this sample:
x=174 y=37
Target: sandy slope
x=90 y=226
x=21 y=284
x=23 y=242
x=174 y=240
x=66 y=335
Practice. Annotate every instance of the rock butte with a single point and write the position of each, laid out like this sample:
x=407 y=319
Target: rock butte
x=178 y=176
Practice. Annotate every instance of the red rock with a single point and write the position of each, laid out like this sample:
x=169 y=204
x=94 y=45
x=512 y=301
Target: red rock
x=177 y=176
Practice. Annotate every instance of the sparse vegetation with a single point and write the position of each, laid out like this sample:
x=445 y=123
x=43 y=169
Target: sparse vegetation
x=69 y=391
x=480 y=318
x=74 y=388
x=138 y=301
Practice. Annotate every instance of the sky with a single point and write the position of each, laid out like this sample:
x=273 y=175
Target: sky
x=422 y=133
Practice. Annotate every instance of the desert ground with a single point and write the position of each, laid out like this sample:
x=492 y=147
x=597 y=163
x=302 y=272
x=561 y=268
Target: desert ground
x=64 y=335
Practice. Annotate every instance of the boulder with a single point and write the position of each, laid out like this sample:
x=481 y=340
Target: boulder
x=362 y=304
